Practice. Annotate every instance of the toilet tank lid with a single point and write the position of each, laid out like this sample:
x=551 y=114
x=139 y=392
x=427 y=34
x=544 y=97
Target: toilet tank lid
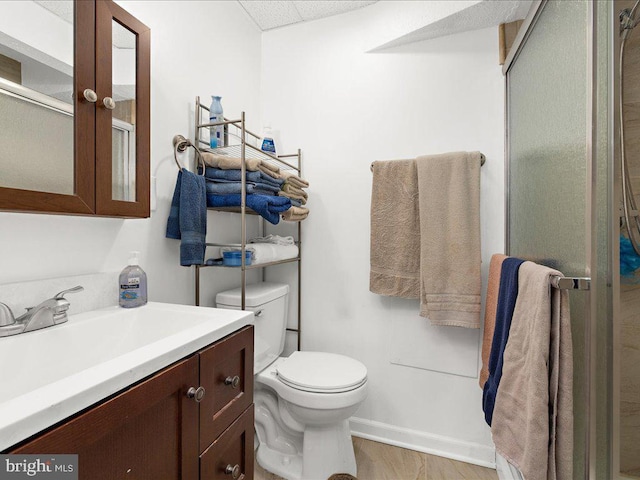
x=255 y=294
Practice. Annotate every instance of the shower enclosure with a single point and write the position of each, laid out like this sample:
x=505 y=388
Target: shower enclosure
x=573 y=113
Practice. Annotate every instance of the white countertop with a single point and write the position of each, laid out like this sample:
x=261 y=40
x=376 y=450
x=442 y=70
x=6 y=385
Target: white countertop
x=50 y=374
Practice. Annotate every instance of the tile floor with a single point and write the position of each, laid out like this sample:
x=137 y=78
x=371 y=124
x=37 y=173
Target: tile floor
x=378 y=461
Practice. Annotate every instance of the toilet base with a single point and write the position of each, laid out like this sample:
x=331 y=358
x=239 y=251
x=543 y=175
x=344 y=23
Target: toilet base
x=283 y=465
x=326 y=451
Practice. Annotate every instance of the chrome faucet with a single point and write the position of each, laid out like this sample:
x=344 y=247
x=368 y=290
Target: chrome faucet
x=52 y=311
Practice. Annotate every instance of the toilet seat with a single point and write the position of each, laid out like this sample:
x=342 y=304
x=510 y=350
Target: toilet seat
x=321 y=372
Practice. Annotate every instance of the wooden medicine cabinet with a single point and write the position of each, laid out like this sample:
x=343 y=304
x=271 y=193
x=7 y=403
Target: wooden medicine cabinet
x=74 y=109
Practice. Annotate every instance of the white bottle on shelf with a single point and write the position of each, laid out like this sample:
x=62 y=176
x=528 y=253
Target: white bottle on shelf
x=267 y=142
x=216 y=134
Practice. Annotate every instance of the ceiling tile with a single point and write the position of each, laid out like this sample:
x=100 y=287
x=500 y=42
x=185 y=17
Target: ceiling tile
x=271 y=14
x=320 y=9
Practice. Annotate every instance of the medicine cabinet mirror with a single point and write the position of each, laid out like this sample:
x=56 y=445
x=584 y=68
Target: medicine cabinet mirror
x=74 y=108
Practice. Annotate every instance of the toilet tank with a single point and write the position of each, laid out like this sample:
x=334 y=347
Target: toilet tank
x=269 y=302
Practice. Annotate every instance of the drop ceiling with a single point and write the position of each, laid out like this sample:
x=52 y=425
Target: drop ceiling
x=270 y=14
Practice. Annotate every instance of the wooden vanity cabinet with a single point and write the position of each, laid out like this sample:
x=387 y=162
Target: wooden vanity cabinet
x=156 y=429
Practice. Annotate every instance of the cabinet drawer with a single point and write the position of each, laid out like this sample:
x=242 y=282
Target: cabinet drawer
x=226 y=373
x=232 y=453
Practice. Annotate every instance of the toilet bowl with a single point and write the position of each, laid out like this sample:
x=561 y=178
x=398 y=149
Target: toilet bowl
x=303 y=402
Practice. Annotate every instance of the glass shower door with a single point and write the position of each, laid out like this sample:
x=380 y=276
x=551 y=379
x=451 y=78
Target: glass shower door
x=552 y=182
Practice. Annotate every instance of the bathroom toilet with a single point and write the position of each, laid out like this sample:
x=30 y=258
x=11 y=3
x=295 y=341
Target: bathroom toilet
x=303 y=402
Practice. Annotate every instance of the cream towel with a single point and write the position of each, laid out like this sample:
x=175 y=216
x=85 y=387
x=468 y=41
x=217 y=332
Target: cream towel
x=490 y=308
x=449 y=198
x=303 y=199
x=532 y=423
x=267 y=169
x=293 y=179
x=267 y=165
x=395 y=230
x=230 y=163
x=295 y=214
x=289 y=188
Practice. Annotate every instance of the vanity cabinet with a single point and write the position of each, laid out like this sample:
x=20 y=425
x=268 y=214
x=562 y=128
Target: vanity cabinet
x=163 y=428
x=75 y=119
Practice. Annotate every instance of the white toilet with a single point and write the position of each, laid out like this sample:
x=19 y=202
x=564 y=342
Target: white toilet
x=303 y=401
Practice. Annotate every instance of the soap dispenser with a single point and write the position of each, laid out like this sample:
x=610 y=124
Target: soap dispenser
x=133 y=284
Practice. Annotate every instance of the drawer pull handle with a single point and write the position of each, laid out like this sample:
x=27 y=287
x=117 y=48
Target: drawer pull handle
x=234 y=470
x=196 y=393
x=233 y=381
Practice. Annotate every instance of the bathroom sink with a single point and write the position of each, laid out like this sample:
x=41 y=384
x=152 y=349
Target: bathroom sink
x=49 y=374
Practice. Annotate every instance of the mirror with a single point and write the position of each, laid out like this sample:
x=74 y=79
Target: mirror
x=36 y=96
x=74 y=108
x=123 y=138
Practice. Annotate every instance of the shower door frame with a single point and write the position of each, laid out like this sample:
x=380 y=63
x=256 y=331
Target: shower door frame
x=589 y=399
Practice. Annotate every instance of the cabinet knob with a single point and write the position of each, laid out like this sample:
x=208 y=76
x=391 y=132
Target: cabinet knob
x=196 y=393
x=233 y=381
x=234 y=470
x=90 y=96
x=107 y=102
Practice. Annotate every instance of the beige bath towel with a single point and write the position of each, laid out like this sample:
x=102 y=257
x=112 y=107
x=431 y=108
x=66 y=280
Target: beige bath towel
x=295 y=214
x=490 y=308
x=230 y=163
x=395 y=230
x=268 y=169
x=288 y=188
x=532 y=424
x=449 y=198
x=294 y=196
x=290 y=177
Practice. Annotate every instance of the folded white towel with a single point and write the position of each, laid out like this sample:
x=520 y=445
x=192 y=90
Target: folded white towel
x=277 y=239
x=267 y=252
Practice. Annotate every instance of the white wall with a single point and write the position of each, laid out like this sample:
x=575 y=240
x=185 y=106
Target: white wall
x=197 y=48
x=346 y=108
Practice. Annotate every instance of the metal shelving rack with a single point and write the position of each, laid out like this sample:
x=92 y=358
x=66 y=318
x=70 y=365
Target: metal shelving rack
x=244 y=149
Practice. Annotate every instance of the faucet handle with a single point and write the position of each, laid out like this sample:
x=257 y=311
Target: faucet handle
x=60 y=296
x=6 y=316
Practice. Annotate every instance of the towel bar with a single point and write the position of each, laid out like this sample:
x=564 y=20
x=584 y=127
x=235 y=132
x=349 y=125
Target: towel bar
x=482 y=160
x=571 y=283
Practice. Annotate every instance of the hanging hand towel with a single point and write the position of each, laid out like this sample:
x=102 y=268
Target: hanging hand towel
x=490 y=308
x=395 y=230
x=188 y=217
x=449 y=198
x=508 y=293
x=533 y=416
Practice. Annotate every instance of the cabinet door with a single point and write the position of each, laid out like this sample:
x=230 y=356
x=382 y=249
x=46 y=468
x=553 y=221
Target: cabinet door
x=231 y=455
x=147 y=432
x=226 y=373
x=47 y=159
x=64 y=151
x=122 y=113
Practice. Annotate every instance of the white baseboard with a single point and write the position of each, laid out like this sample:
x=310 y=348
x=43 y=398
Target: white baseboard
x=468 y=452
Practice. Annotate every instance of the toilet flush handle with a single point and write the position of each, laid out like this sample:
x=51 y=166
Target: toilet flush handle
x=258 y=313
